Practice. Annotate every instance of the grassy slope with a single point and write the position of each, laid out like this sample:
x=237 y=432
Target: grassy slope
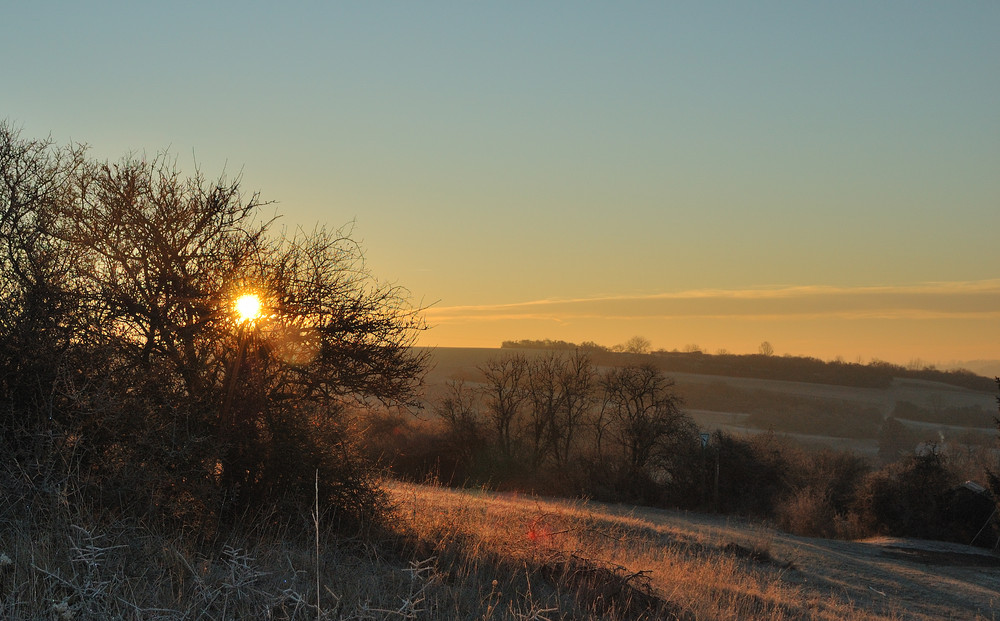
x=705 y=567
x=702 y=567
x=450 y=554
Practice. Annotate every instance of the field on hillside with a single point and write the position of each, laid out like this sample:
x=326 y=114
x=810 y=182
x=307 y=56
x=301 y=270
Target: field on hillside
x=524 y=557
x=822 y=414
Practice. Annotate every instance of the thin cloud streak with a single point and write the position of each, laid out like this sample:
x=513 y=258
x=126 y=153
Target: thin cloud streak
x=969 y=300
x=888 y=315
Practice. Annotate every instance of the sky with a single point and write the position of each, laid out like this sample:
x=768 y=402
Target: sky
x=824 y=176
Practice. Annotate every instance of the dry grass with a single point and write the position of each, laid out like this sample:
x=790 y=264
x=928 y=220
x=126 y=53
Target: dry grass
x=595 y=564
x=450 y=555
x=64 y=569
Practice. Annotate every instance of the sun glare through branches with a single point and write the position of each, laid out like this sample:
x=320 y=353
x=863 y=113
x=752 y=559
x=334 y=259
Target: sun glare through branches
x=247 y=308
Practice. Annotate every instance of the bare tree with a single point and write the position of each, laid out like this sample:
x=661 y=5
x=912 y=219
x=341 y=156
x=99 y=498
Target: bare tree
x=459 y=409
x=765 y=349
x=578 y=385
x=37 y=314
x=539 y=404
x=168 y=383
x=645 y=415
x=638 y=345
x=546 y=401
x=505 y=393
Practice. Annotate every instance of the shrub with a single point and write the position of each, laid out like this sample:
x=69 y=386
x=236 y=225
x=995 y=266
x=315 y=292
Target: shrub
x=753 y=473
x=809 y=512
x=908 y=499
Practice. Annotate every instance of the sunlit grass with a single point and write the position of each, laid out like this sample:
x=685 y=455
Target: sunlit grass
x=696 y=575
x=446 y=554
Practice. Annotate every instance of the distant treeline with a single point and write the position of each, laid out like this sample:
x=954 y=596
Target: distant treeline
x=877 y=374
x=550 y=344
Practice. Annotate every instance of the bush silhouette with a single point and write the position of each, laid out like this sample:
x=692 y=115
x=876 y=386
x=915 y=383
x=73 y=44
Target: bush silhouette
x=123 y=362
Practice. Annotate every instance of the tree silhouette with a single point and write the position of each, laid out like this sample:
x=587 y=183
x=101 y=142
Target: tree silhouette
x=645 y=414
x=638 y=345
x=136 y=269
x=505 y=393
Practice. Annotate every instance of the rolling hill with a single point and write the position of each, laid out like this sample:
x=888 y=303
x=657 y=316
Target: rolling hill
x=834 y=404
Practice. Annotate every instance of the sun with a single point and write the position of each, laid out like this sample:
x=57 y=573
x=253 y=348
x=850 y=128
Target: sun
x=247 y=307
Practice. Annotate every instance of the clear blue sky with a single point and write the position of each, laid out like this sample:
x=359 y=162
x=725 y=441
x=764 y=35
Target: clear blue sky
x=518 y=152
